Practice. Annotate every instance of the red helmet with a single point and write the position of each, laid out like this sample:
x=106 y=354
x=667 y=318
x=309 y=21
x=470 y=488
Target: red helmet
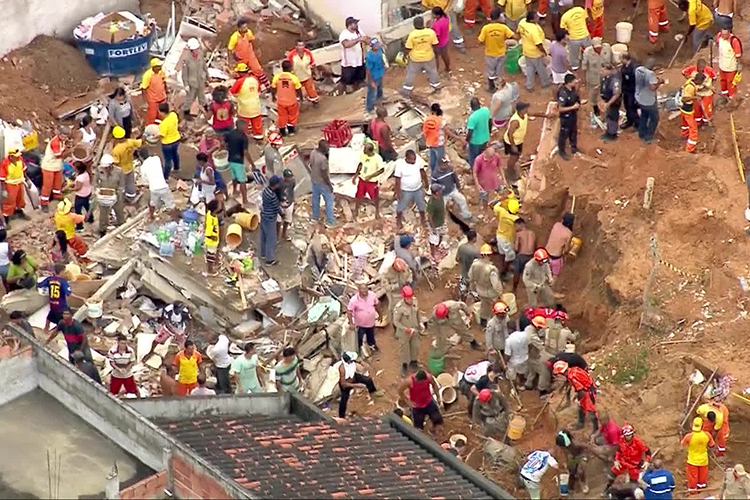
x=560 y=367
x=484 y=395
x=627 y=430
x=541 y=255
x=500 y=307
x=407 y=292
x=399 y=264
x=441 y=311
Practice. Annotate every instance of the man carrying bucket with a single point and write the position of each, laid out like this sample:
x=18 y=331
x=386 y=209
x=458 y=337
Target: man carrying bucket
x=110 y=183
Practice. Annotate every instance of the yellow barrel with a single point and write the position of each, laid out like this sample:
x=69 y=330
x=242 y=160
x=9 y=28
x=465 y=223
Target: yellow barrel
x=248 y=220
x=234 y=235
x=516 y=427
x=575 y=246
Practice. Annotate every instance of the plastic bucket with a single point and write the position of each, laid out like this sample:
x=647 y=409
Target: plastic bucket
x=234 y=235
x=81 y=154
x=510 y=301
x=448 y=395
x=511 y=57
x=151 y=133
x=575 y=246
x=94 y=308
x=221 y=164
x=107 y=197
x=248 y=220
x=445 y=380
x=623 y=31
x=435 y=364
x=516 y=427
x=618 y=50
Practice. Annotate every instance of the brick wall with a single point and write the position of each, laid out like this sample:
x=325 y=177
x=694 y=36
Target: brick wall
x=191 y=482
x=150 y=487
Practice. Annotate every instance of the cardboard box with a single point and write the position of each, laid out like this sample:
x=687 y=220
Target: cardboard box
x=113 y=28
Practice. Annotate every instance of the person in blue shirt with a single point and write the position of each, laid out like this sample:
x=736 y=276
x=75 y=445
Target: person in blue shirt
x=375 y=65
x=58 y=290
x=659 y=482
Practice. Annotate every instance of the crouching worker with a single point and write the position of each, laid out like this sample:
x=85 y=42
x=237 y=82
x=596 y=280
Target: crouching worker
x=349 y=379
x=491 y=410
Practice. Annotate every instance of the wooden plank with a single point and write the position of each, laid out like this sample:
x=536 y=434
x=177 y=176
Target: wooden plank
x=109 y=287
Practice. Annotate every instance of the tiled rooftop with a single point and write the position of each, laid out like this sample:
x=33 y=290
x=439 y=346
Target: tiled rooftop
x=286 y=457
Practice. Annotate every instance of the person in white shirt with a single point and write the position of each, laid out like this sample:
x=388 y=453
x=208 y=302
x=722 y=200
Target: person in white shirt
x=218 y=351
x=517 y=353
x=122 y=359
x=159 y=192
x=202 y=390
x=352 y=56
x=471 y=376
x=411 y=178
x=532 y=471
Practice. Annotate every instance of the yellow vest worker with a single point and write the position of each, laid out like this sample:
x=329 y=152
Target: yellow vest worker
x=574 y=21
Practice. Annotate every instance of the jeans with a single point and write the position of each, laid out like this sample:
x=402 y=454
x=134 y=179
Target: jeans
x=436 y=154
x=474 y=151
x=631 y=108
x=648 y=122
x=345 y=391
x=171 y=157
x=373 y=94
x=366 y=332
x=268 y=239
x=83 y=203
x=460 y=200
x=323 y=190
x=223 y=385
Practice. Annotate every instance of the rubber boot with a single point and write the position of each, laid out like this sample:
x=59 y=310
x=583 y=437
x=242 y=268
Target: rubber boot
x=491 y=85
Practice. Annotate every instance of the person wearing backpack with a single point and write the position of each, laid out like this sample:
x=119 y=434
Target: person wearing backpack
x=730 y=65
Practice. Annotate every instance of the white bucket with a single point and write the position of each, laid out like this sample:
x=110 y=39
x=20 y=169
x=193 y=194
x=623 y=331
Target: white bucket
x=94 y=308
x=151 y=134
x=221 y=159
x=446 y=380
x=624 y=31
x=618 y=50
x=448 y=395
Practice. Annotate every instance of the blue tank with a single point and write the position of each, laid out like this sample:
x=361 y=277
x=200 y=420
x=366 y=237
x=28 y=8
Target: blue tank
x=117 y=59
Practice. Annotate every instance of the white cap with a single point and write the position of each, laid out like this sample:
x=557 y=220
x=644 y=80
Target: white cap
x=193 y=44
x=106 y=160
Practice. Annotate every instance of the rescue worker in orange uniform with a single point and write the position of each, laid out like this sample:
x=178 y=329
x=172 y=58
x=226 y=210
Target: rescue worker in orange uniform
x=287 y=90
x=629 y=457
x=595 y=21
x=705 y=110
x=66 y=221
x=154 y=86
x=716 y=422
x=12 y=178
x=696 y=468
x=247 y=90
x=470 y=10
x=52 y=167
x=730 y=65
x=303 y=67
x=657 y=19
x=689 y=102
x=242 y=48
x=585 y=390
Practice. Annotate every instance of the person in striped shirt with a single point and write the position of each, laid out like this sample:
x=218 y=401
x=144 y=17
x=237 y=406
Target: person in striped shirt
x=270 y=210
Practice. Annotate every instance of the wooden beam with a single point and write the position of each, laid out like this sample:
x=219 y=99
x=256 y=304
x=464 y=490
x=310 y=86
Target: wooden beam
x=108 y=288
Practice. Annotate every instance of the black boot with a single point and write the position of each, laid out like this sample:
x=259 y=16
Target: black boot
x=290 y=129
x=403 y=369
x=596 y=110
x=491 y=85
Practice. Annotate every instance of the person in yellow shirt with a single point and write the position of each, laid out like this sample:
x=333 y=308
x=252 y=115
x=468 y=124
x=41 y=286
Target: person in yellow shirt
x=211 y=236
x=12 y=179
x=122 y=153
x=370 y=167
x=170 y=138
x=454 y=30
x=515 y=11
x=700 y=19
x=506 y=212
x=532 y=47
x=66 y=221
x=421 y=57
x=493 y=36
x=697 y=443
x=574 y=22
x=595 y=22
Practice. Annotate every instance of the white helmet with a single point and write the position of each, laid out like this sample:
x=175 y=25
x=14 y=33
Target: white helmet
x=193 y=44
x=106 y=160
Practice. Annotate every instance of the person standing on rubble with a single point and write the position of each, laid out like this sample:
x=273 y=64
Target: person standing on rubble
x=375 y=66
x=486 y=173
x=524 y=245
x=154 y=86
x=537 y=370
x=697 y=443
x=537 y=279
x=440 y=24
x=533 y=470
x=436 y=221
x=433 y=129
x=122 y=155
x=506 y=212
x=122 y=360
x=411 y=180
x=449 y=9
x=610 y=97
x=363 y=311
x=408 y=326
x=466 y=254
x=576 y=456
x=729 y=50
x=416 y=389
x=380 y=132
x=369 y=168
x=246 y=88
x=66 y=221
x=452 y=315
x=349 y=379
x=120 y=109
x=395 y=278
x=715 y=420
x=352 y=56
x=700 y=19
x=12 y=180
x=448 y=178
x=532 y=45
x=244 y=372
x=288 y=377
x=492 y=412
x=516 y=354
x=243 y=50
x=237 y=148
x=58 y=290
x=568 y=104
x=705 y=100
x=420 y=44
x=627 y=74
x=269 y=213
x=75 y=337
x=646 y=84
x=194 y=76
x=159 y=193
x=594 y=58
x=170 y=138
x=659 y=482
x=211 y=237
x=287 y=91
x=558 y=243
x=484 y=280
x=494 y=35
x=111 y=177
x=321 y=183
x=497 y=329
x=272 y=154
x=478 y=128
x=303 y=67
x=583 y=385
x=690 y=103
x=188 y=363
x=52 y=167
x=218 y=351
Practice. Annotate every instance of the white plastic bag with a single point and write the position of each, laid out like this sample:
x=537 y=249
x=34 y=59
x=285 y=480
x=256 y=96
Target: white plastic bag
x=195 y=195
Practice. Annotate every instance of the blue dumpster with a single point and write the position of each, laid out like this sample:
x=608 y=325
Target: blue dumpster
x=116 y=59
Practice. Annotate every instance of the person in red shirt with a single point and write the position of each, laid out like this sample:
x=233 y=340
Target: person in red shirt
x=222 y=110
x=416 y=389
x=705 y=100
x=632 y=453
x=585 y=390
x=606 y=438
x=287 y=91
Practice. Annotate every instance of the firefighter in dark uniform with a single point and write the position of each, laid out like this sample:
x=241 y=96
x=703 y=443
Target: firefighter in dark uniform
x=627 y=73
x=611 y=95
x=568 y=103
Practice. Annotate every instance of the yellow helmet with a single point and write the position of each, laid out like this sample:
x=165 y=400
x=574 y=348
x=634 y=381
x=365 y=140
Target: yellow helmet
x=14 y=151
x=118 y=132
x=241 y=67
x=64 y=206
x=513 y=205
x=485 y=249
x=155 y=62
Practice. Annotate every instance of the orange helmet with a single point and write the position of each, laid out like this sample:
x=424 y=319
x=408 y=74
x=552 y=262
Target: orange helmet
x=539 y=321
x=407 y=292
x=399 y=265
x=485 y=249
x=484 y=395
x=500 y=307
x=441 y=311
x=541 y=255
x=560 y=367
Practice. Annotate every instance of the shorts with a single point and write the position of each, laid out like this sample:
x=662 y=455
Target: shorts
x=507 y=149
x=54 y=317
x=162 y=197
x=558 y=78
x=212 y=253
x=287 y=214
x=431 y=410
x=409 y=197
x=556 y=265
x=436 y=234
x=115 y=384
x=238 y=172
x=520 y=263
x=516 y=369
x=506 y=248
x=352 y=74
x=367 y=188
x=185 y=389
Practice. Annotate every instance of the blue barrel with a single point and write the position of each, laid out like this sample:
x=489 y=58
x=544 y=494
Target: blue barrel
x=116 y=59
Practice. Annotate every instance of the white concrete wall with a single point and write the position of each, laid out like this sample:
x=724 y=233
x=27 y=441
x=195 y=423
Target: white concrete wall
x=17 y=377
x=335 y=12
x=25 y=19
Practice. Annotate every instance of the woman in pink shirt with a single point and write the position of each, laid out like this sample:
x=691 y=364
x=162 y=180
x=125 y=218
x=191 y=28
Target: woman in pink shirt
x=486 y=170
x=363 y=314
x=83 y=194
x=441 y=27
